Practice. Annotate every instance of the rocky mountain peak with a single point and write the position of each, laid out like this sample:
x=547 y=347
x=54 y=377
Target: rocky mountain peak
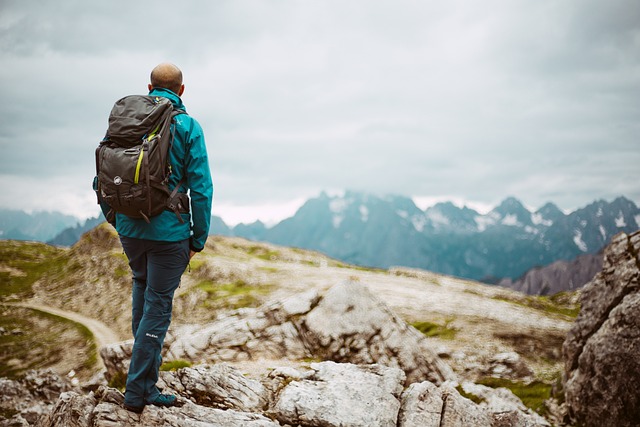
x=548 y=214
x=511 y=212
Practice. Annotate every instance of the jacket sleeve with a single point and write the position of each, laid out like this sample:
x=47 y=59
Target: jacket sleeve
x=200 y=186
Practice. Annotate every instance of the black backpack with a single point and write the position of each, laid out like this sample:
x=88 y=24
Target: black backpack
x=132 y=161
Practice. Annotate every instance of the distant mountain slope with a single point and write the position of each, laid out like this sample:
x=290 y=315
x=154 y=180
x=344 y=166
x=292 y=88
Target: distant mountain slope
x=71 y=235
x=37 y=226
x=557 y=277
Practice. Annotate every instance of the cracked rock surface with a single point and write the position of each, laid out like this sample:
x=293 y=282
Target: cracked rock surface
x=602 y=350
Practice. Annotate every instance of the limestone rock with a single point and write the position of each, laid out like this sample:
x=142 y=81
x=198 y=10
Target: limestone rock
x=220 y=386
x=508 y=365
x=602 y=350
x=105 y=410
x=350 y=325
x=116 y=358
x=425 y=405
x=31 y=396
x=421 y=406
x=342 y=394
x=347 y=324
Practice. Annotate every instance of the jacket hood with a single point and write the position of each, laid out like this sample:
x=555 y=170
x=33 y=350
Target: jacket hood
x=172 y=96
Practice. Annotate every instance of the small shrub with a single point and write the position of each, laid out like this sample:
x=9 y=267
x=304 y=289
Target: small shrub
x=532 y=394
x=174 y=365
x=472 y=397
x=431 y=329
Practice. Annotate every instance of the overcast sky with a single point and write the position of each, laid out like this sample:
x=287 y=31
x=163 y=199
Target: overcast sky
x=438 y=100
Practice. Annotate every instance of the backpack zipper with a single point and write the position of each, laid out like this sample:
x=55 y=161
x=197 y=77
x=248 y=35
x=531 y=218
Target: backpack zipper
x=138 y=165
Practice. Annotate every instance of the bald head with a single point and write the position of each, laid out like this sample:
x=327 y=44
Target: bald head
x=167 y=76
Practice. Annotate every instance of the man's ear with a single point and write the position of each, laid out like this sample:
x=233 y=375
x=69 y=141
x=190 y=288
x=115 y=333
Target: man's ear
x=181 y=91
x=150 y=86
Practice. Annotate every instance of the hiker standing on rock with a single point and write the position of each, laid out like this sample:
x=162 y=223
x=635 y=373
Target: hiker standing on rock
x=158 y=245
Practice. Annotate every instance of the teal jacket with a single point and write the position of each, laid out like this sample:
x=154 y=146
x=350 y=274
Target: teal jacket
x=188 y=158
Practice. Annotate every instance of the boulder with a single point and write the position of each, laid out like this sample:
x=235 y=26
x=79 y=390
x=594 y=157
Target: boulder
x=425 y=405
x=220 y=386
x=347 y=324
x=334 y=394
x=602 y=351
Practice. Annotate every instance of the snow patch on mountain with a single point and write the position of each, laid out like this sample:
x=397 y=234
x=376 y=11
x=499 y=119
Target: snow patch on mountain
x=511 y=220
x=538 y=219
x=577 y=239
x=603 y=233
x=620 y=222
x=337 y=207
x=419 y=222
x=484 y=221
x=364 y=213
x=437 y=218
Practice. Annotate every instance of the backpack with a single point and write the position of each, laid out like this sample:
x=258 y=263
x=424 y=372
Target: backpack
x=132 y=161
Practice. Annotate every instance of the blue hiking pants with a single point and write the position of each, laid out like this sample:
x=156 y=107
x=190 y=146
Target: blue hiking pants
x=156 y=268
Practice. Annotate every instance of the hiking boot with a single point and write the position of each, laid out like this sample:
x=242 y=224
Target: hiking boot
x=166 y=400
x=131 y=408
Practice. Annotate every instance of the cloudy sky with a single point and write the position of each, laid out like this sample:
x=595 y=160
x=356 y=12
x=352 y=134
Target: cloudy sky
x=438 y=100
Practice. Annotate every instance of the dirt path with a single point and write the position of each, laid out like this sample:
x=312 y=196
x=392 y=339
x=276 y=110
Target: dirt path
x=102 y=334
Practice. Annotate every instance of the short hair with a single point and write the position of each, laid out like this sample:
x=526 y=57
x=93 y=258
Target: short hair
x=167 y=76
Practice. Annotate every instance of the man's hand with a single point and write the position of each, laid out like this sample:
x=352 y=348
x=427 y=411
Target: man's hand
x=191 y=254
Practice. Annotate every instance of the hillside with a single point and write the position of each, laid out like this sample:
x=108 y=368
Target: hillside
x=469 y=323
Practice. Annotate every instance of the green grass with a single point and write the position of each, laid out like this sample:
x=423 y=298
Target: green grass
x=263 y=253
x=24 y=263
x=37 y=340
x=532 y=394
x=174 y=365
x=232 y=295
x=119 y=381
x=431 y=329
x=557 y=304
x=472 y=397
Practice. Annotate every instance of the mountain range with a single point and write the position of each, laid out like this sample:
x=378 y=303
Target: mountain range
x=506 y=242
x=374 y=231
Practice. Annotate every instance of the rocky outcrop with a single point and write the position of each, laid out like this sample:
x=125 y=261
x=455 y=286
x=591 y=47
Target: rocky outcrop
x=25 y=400
x=347 y=324
x=327 y=394
x=602 y=350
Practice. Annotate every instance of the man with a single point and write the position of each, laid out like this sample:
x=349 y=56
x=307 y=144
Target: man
x=159 y=251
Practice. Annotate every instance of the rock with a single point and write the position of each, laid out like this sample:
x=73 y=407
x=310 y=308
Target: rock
x=421 y=406
x=602 y=350
x=508 y=365
x=348 y=324
x=342 y=394
x=116 y=358
x=105 y=410
x=220 y=386
x=460 y=411
x=31 y=396
x=425 y=405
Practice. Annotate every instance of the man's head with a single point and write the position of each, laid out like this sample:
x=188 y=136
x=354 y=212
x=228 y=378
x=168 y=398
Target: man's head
x=167 y=76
